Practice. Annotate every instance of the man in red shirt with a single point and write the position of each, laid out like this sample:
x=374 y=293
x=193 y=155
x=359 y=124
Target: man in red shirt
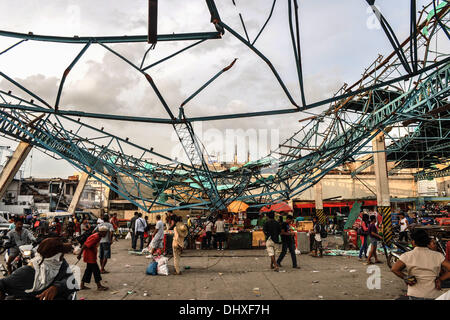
x=89 y=251
x=115 y=222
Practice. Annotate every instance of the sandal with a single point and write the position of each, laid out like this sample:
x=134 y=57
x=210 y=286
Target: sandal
x=102 y=288
x=104 y=272
x=378 y=261
x=85 y=288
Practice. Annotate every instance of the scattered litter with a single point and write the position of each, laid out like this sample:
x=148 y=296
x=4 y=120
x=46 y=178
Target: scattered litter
x=257 y=292
x=130 y=292
x=145 y=294
x=82 y=299
x=114 y=292
x=282 y=271
x=220 y=273
x=125 y=284
x=316 y=281
x=353 y=270
x=205 y=287
x=187 y=267
x=320 y=297
x=315 y=271
x=127 y=266
x=298 y=252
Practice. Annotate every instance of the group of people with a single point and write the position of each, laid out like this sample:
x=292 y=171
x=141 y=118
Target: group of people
x=140 y=228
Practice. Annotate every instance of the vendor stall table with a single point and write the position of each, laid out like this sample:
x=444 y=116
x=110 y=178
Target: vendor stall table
x=239 y=240
x=258 y=239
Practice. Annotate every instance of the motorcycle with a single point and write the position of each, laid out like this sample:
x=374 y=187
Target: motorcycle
x=26 y=253
x=3 y=238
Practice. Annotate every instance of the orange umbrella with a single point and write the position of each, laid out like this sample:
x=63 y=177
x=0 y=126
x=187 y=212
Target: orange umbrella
x=237 y=206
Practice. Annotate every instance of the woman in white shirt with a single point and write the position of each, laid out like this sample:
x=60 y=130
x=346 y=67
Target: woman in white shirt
x=423 y=267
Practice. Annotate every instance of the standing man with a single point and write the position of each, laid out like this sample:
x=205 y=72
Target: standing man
x=317 y=243
x=139 y=229
x=287 y=240
x=105 y=243
x=89 y=251
x=403 y=227
x=16 y=238
x=180 y=233
x=208 y=228
x=219 y=229
x=115 y=223
x=132 y=227
x=272 y=230
x=158 y=235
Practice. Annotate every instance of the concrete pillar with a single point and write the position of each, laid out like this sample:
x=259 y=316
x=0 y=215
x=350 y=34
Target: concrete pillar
x=78 y=192
x=318 y=199
x=106 y=193
x=13 y=165
x=382 y=186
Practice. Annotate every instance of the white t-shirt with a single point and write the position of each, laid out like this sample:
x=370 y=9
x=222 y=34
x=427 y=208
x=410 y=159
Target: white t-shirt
x=425 y=265
x=160 y=233
x=404 y=225
x=220 y=226
x=208 y=226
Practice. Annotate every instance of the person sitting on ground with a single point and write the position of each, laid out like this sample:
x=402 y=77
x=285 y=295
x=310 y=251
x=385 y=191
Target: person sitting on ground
x=423 y=267
x=157 y=236
x=272 y=230
x=105 y=243
x=16 y=238
x=180 y=233
x=89 y=252
x=373 y=240
x=317 y=250
x=47 y=277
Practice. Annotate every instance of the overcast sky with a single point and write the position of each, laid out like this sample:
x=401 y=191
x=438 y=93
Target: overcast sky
x=338 y=39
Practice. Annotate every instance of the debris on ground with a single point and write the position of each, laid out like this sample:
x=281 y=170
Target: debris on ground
x=316 y=281
x=353 y=270
x=114 y=292
x=257 y=292
x=220 y=273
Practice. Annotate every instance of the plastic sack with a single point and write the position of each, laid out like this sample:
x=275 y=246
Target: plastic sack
x=152 y=268
x=128 y=236
x=297 y=252
x=163 y=268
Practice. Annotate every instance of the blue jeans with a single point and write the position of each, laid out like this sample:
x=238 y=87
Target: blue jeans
x=364 y=246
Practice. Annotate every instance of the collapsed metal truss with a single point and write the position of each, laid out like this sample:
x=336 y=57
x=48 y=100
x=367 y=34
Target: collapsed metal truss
x=379 y=101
